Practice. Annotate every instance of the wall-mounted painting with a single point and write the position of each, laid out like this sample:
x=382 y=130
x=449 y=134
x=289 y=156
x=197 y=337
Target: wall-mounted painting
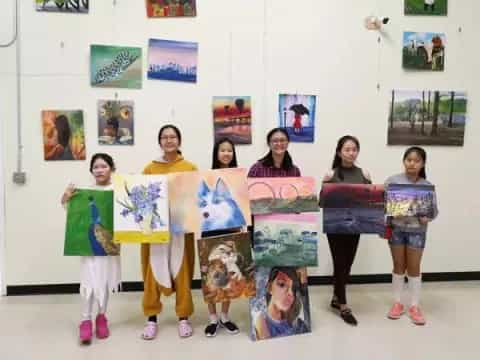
x=426 y=7
x=232 y=118
x=423 y=51
x=63 y=135
x=297 y=116
x=171 y=8
x=115 y=122
x=115 y=66
x=427 y=117
x=172 y=60
x=63 y=6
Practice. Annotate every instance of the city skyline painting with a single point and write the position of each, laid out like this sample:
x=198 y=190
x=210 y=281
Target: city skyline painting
x=172 y=60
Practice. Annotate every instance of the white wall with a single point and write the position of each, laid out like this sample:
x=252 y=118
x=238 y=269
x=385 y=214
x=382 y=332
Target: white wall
x=7 y=34
x=307 y=46
x=2 y=216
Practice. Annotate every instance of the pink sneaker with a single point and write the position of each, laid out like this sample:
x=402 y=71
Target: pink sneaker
x=396 y=311
x=101 y=327
x=416 y=315
x=86 y=332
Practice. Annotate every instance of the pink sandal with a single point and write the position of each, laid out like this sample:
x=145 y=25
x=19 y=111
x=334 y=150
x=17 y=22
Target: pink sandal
x=184 y=329
x=150 y=330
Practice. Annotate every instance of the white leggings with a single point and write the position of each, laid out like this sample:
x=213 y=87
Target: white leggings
x=87 y=305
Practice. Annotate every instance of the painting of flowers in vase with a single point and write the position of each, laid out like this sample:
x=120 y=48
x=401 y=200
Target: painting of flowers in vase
x=141 y=209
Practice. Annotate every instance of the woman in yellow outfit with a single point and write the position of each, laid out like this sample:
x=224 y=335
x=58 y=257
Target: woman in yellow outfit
x=168 y=268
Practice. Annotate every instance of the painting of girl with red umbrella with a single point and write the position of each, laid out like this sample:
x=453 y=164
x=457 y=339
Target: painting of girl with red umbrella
x=297 y=116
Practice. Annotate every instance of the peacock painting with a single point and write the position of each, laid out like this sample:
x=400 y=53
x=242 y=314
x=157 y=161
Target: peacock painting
x=100 y=238
x=89 y=228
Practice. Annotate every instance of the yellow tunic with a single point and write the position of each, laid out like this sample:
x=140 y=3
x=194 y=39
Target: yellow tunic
x=183 y=280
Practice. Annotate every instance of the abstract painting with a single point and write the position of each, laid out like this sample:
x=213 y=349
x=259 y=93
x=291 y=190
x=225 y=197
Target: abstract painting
x=354 y=221
x=226 y=266
x=297 y=116
x=353 y=208
x=172 y=60
x=352 y=196
x=115 y=66
x=426 y=7
x=423 y=51
x=427 y=118
x=141 y=209
x=63 y=6
x=285 y=240
x=281 y=306
x=408 y=200
x=115 y=122
x=282 y=195
x=171 y=8
x=89 y=229
x=209 y=200
x=232 y=118
x=63 y=135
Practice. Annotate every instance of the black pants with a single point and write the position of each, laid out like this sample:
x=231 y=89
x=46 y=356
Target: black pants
x=343 y=248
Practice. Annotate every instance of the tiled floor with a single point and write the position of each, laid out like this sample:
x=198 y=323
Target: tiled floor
x=45 y=327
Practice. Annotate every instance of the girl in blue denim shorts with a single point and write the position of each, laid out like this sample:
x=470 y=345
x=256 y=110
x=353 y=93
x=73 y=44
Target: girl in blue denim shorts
x=407 y=240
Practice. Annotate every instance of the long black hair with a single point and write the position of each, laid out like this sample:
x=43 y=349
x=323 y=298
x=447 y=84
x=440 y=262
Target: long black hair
x=175 y=129
x=215 y=162
x=105 y=157
x=420 y=152
x=114 y=123
x=267 y=160
x=337 y=160
x=63 y=130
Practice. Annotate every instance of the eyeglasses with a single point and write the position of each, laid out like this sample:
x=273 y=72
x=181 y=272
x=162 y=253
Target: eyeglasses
x=166 y=138
x=279 y=141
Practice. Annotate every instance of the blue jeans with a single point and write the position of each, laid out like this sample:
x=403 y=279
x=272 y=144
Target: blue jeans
x=410 y=239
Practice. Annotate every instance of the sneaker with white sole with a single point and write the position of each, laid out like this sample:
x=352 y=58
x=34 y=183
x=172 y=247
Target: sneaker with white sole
x=230 y=327
x=396 y=311
x=416 y=315
x=211 y=329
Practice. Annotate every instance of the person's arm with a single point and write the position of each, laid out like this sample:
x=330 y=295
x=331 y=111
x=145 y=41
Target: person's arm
x=146 y=170
x=328 y=176
x=253 y=172
x=298 y=173
x=367 y=176
x=68 y=194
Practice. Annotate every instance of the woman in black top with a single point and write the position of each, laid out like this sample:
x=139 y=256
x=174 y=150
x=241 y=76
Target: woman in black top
x=343 y=247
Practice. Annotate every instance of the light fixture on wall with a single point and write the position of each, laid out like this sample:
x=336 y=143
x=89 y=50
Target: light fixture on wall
x=374 y=22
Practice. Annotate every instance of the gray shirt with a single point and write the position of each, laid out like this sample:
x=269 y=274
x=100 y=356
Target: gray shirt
x=410 y=224
x=353 y=175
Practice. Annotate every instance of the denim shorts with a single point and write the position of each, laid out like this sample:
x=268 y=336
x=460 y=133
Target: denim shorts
x=411 y=239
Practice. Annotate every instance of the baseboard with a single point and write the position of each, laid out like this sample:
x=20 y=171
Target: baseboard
x=130 y=286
